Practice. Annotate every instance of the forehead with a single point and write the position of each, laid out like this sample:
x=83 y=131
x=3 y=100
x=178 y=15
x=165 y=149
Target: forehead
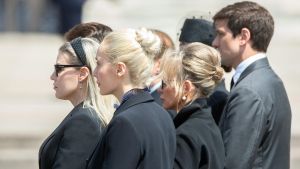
x=101 y=56
x=63 y=58
x=221 y=25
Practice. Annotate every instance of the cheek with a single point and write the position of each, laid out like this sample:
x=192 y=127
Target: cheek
x=108 y=81
x=169 y=98
x=66 y=88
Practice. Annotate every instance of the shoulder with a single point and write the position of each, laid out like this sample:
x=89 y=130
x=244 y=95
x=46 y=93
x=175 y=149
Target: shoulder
x=84 y=117
x=196 y=129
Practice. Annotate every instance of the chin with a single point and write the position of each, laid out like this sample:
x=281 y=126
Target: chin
x=104 y=93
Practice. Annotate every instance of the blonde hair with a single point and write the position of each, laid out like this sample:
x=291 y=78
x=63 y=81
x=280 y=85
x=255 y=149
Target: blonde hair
x=102 y=104
x=136 y=49
x=197 y=62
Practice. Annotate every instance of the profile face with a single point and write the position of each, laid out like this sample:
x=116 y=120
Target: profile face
x=65 y=80
x=227 y=45
x=106 y=74
x=168 y=96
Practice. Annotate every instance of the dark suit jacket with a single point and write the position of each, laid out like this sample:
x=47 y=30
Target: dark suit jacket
x=217 y=101
x=141 y=135
x=199 y=141
x=256 y=123
x=72 y=141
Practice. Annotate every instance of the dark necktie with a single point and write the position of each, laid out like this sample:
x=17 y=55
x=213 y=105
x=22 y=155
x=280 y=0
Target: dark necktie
x=231 y=83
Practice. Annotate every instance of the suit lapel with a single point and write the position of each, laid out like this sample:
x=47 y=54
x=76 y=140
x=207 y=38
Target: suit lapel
x=261 y=63
x=57 y=132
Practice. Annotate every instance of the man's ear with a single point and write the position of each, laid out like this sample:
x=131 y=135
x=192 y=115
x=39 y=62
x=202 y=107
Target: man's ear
x=83 y=73
x=120 y=69
x=245 y=36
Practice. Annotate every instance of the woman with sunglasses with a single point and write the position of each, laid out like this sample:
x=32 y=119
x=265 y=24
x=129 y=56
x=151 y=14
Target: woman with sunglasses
x=141 y=133
x=73 y=140
x=189 y=76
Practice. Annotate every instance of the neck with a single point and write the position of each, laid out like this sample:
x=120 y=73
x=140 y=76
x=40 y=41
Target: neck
x=125 y=88
x=78 y=100
x=79 y=96
x=248 y=52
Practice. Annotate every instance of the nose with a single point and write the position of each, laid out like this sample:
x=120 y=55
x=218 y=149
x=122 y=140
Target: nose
x=52 y=76
x=215 y=43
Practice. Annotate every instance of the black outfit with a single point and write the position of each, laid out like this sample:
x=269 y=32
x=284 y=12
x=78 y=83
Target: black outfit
x=256 y=122
x=217 y=101
x=72 y=141
x=199 y=141
x=141 y=135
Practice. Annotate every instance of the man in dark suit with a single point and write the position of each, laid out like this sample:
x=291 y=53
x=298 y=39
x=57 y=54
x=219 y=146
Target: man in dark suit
x=256 y=122
x=202 y=30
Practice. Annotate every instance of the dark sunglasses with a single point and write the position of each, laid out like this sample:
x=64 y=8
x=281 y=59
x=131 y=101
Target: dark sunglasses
x=163 y=84
x=59 y=68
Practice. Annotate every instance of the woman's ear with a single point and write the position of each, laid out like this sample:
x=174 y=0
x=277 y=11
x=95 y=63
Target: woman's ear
x=188 y=89
x=83 y=73
x=120 y=69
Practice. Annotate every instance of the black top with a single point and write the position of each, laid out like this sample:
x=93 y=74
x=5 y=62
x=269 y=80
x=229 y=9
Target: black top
x=199 y=141
x=217 y=100
x=72 y=141
x=141 y=135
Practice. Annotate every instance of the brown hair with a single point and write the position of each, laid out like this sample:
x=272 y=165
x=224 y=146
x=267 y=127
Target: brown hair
x=91 y=29
x=252 y=16
x=167 y=42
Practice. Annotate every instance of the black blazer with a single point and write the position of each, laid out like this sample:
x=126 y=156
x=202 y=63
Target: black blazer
x=199 y=141
x=217 y=101
x=72 y=141
x=141 y=135
x=256 y=122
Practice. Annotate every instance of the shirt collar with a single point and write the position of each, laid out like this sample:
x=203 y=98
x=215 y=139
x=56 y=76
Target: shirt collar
x=244 y=64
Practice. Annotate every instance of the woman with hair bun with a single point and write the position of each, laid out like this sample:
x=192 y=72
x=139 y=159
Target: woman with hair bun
x=198 y=71
x=141 y=134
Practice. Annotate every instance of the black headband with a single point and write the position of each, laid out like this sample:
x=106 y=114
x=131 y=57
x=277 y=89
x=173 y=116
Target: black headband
x=77 y=46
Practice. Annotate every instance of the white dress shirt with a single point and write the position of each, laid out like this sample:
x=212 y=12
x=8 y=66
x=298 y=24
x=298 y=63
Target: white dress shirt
x=244 y=64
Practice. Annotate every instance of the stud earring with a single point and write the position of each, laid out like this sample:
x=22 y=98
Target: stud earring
x=184 y=98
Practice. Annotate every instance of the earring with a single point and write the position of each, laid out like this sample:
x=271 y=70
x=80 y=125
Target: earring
x=80 y=85
x=183 y=97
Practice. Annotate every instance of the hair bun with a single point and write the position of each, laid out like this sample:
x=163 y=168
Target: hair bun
x=218 y=74
x=149 y=41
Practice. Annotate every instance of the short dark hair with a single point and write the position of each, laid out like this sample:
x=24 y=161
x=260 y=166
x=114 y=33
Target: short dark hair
x=252 y=16
x=91 y=29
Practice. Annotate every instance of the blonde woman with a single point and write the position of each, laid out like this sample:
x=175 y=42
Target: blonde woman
x=74 y=139
x=141 y=133
x=189 y=77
